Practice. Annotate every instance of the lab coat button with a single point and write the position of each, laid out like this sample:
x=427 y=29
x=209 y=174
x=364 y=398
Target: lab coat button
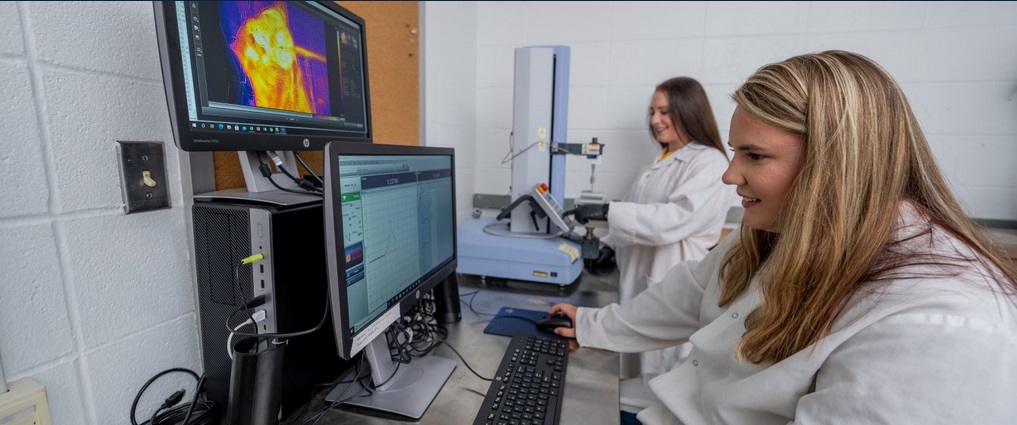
x=695 y=362
x=734 y=315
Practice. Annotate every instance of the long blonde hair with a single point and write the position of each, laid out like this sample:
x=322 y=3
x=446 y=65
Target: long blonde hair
x=864 y=155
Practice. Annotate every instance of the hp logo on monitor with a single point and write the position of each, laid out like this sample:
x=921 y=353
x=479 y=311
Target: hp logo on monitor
x=307 y=143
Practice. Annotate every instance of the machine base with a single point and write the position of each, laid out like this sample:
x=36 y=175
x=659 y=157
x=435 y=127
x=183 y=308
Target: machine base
x=554 y=260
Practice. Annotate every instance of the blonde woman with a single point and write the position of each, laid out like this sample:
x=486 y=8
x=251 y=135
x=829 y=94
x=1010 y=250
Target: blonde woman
x=858 y=290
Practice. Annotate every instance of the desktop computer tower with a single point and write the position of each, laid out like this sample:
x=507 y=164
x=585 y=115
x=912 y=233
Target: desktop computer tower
x=291 y=277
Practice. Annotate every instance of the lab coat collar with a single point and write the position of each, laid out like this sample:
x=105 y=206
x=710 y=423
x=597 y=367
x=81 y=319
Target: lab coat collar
x=683 y=154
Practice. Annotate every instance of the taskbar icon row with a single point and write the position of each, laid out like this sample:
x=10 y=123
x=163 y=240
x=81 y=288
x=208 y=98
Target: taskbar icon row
x=239 y=127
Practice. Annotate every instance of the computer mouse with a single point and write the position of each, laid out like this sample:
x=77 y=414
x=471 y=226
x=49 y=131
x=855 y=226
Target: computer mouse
x=557 y=320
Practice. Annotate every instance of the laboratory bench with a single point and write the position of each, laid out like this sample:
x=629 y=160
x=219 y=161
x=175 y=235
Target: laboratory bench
x=591 y=380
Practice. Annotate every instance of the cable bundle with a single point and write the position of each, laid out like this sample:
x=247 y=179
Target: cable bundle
x=199 y=411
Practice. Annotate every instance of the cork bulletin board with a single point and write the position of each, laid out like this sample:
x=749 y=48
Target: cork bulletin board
x=393 y=65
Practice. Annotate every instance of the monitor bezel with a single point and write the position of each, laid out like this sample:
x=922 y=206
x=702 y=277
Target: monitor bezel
x=339 y=301
x=174 y=83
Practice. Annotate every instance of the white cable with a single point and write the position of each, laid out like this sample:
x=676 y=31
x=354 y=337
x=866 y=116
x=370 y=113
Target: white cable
x=275 y=158
x=259 y=316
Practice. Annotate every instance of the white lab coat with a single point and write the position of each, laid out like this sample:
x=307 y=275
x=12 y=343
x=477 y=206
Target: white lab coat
x=917 y=351
x=674 y=212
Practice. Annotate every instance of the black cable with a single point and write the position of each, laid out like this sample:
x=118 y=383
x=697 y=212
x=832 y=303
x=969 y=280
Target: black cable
x=200 y=410
x=324 y=318
x=265 y=171
x=339 y=399
x=134 y=406
x=303 y=184
x=469 y=304
x=382 y=384
x=278 y=164
x=194 y=402
x=156 y=414
x=236 y=285
x=301 y=160
x=421 y=335
x=176 y=416
x=446 y=343
x=431 y=333
x=314 y=392
x=421 y=329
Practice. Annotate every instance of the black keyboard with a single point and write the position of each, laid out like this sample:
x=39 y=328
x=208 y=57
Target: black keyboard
x=528 y=389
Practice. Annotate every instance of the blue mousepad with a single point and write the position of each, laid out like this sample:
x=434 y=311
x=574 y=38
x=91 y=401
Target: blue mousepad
x=511 y=321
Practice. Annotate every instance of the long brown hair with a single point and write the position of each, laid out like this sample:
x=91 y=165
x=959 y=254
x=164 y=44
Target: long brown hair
x=689 y=108
x=865 y=155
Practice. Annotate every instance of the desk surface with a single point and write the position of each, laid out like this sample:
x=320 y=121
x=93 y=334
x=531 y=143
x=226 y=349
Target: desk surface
x=591 y=384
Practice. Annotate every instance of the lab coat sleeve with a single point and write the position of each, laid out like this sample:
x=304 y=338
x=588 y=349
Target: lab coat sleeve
x=661 y=316
x=691 y=208
x=919 y=369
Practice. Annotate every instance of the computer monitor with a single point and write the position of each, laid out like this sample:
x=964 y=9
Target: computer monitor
x=263 y=76
x=390 y=238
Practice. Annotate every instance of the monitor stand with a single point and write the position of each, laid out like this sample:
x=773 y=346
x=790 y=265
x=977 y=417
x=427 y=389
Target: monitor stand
x=256 y=182
x=408 y=388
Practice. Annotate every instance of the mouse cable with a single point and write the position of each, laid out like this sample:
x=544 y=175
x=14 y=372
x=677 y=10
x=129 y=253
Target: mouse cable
x=493 y=316
x=446 y=343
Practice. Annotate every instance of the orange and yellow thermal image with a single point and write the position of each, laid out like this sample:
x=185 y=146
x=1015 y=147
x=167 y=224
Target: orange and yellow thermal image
x=268 y=56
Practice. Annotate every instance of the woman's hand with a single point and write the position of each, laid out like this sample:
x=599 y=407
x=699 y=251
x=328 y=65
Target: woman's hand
x=570 y=311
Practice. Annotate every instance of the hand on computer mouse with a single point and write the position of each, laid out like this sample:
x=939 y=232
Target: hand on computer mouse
x=554 y=321
x=569 y=311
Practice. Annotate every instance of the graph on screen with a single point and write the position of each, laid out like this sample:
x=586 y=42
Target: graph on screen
x=390 y=215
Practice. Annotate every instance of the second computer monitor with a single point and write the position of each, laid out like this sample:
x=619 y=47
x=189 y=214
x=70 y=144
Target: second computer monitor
x=390 y=238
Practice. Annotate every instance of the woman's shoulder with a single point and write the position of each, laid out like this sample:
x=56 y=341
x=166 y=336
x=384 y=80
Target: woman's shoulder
x=940 y=278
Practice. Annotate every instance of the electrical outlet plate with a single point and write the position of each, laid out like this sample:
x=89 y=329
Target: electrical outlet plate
x=143 y=176
x=25 y=403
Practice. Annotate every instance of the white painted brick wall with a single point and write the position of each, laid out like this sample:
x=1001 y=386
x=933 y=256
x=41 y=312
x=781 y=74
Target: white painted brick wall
x=24 y=185
x=954 y=61
x=92 y=302
x=450 y=96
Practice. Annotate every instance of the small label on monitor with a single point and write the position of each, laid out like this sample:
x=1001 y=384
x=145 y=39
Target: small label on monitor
x=377 y=328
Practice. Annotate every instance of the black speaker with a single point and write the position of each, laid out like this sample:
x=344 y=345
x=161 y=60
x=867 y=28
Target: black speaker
x=292 y=278
x=446 y=300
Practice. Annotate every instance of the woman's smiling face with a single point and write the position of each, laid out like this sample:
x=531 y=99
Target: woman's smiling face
x=664 y=129
x=765 y=163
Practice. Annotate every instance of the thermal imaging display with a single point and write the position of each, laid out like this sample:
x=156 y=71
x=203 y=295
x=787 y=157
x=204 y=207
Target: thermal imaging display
x=263 y=68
